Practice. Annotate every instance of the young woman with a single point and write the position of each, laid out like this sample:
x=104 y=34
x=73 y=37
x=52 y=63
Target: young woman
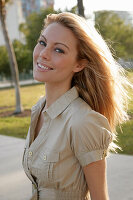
x=72 y=127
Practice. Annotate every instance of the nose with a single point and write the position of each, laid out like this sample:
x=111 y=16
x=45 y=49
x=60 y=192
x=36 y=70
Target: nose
x=45 y=53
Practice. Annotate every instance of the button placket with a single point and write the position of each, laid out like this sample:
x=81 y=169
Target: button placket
x=30 y=153
x=45 y=157
x=29 y=159
x=26 y=164
x=43 y=132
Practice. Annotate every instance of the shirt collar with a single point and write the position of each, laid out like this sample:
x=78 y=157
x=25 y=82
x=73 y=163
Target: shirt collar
x=59 y=105
x=62 y=103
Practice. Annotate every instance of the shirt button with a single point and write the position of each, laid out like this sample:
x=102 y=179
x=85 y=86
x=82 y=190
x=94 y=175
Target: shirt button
x=44 y=157
x=30 y=153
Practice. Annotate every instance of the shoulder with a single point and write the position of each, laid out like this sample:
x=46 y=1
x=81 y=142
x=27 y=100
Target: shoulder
x=90 y=128
x=79 y=107
x=90 y=135
x=83 y=115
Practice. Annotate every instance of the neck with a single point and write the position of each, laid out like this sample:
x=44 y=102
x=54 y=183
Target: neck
x=53 y=92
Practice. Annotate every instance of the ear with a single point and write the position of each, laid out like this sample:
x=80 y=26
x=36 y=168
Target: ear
x=80 y=65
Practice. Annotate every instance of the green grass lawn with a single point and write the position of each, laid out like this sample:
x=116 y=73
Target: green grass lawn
x=125 y=138
x=18 y=126
x=29 y=96
x=14 y=126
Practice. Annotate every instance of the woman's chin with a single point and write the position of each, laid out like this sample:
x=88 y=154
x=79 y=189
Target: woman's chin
x=39 y=79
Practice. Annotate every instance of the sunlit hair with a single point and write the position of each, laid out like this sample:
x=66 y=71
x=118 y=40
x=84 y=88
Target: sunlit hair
x=101 y=83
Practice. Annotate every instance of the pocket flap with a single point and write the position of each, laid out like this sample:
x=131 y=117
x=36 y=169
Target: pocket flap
x=49 y=156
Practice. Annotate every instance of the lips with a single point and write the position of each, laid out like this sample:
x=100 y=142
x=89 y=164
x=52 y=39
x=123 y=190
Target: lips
x=43 y=67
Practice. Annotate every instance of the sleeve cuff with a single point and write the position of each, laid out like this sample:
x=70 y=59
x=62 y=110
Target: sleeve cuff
x=92 y=156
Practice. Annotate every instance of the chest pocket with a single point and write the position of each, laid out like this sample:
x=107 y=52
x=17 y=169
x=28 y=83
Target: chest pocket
x=43 y=166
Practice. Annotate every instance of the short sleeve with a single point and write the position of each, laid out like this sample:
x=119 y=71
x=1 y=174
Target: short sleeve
x=90 y=137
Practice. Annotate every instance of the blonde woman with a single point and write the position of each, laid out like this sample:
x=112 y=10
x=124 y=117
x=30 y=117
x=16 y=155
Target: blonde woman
x=72 y=128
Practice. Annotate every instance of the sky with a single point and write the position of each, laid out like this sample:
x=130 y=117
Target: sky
x=94 y=5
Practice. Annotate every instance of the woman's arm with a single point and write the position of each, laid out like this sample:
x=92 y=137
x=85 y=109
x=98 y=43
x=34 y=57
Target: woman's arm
x=95 y=174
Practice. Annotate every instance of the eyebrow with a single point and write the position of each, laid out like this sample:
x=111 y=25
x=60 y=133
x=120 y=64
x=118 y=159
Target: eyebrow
x=55 y=42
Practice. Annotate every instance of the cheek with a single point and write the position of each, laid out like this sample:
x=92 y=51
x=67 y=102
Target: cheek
x=63 y=62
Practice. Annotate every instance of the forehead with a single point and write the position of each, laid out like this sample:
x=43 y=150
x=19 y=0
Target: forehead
x=56 y=32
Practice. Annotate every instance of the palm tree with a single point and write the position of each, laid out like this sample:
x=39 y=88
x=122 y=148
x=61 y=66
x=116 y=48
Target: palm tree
x=80 y=8
x=12 y=57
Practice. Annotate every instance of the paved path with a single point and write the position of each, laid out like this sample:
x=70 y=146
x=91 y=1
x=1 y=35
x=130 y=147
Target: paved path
x=14 y=185
x=120 y=177
x=23 y=82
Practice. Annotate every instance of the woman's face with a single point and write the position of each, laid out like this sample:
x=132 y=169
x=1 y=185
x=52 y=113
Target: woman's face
x=55 y=55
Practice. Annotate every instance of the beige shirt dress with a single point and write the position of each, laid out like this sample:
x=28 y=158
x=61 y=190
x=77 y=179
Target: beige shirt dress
x=72 y=136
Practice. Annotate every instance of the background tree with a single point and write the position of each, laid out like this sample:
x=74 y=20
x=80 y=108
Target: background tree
x=23 y=56
x=117 y=34
x=11 y=55
x=4 y=62
x=80 y=8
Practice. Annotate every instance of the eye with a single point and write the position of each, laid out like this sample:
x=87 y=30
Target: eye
x=41 y=42
x=59 y=50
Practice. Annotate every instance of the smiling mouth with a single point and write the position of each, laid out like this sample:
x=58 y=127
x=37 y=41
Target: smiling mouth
x=44 y=67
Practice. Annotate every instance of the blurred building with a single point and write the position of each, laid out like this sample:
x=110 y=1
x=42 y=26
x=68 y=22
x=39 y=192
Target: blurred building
x=35 y=5
x=47 y=3
x=16 y=11
x=14 y=17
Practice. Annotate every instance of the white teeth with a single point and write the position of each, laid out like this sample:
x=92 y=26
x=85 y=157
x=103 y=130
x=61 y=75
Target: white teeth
x=43 y=67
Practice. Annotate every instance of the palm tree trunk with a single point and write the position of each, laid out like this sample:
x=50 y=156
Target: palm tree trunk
x=81 y=8
x=12 y=58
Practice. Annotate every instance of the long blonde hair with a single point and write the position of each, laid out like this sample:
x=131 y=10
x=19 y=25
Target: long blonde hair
x=101 y=83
